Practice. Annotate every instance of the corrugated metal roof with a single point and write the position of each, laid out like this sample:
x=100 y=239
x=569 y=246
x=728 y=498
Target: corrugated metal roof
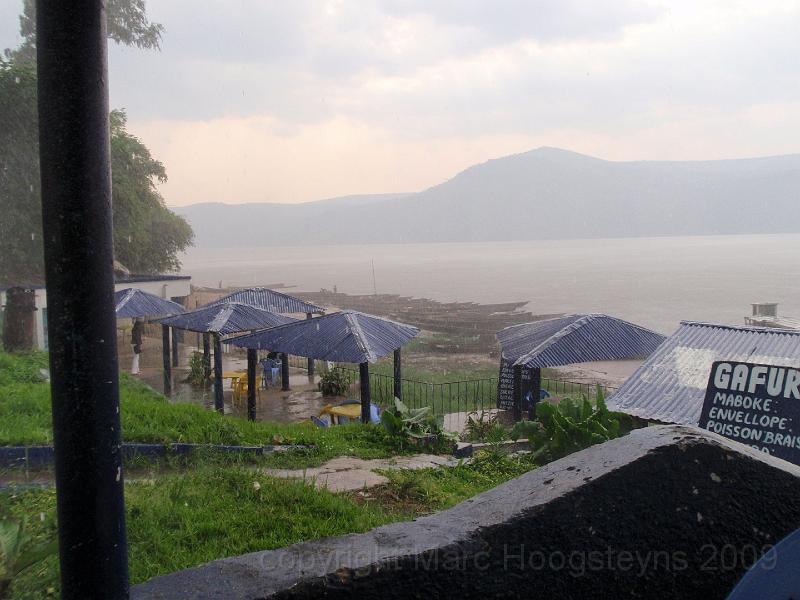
x=346 y=336
x=576 y=339
x=269 y=300
x=670 y=385
x=132 y=302
x=225 y=319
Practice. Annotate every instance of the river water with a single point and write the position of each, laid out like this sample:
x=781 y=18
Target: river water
x=655 y=282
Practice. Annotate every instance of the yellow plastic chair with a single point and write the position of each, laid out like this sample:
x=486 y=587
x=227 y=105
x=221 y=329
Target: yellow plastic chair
x=240 y=388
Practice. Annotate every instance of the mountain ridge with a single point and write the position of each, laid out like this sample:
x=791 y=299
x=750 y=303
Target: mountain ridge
x=545 y=193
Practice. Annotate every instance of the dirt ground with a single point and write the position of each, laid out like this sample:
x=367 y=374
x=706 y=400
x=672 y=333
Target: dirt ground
x=447 y=363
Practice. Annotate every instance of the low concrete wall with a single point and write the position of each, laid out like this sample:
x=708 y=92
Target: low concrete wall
x=666 y=512
x=32 y=457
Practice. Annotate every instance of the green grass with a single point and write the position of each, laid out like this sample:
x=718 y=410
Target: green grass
x=147 y=417
x=437 y=489
x=181 y=520
x=184 y=511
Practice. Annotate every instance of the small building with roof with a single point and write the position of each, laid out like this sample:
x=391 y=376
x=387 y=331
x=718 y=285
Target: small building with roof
x=765 y=314
x=168 y=287
x=670 y=386
x=270 y=300
x=345 y=336
x=529 y=347
x=219 y=320
x=576 y=339
x=130 y=303
x=276 y=302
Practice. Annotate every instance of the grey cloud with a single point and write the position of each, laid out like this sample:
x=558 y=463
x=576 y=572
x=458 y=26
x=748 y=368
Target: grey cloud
x=9 y=23
x=228 y=31
x=539 y=20
x=301 y=63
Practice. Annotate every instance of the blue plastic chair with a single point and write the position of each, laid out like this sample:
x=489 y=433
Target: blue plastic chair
x=318 y=422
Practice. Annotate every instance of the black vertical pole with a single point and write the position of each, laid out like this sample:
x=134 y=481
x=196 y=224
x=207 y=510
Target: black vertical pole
x=176 y=334
x=252 y=359
x=167 y=364
x=517 y=393
x=78 y=247
x=310 y=360
x=363 y=378
x=206 y=355
x=285 y=372
x=536 y=387
x=398 y=376
x=219 y=398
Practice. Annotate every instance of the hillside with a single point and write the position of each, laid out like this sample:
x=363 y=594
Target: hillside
x=542 y=194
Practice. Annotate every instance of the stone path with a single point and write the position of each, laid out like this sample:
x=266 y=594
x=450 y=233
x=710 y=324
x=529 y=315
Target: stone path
x=342 y=474
x=347 y=473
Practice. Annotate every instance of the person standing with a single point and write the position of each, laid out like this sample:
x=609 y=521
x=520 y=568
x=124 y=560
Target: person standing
x=136 y=342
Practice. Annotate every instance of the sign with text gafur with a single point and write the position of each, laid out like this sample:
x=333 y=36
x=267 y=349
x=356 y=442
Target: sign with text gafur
x=756 y=404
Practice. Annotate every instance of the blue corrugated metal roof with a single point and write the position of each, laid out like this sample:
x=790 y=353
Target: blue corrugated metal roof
x=576 y=339
x=346 y=336
x=225 y=319
x=670 y=386
x=269 y=300
x=132 y=302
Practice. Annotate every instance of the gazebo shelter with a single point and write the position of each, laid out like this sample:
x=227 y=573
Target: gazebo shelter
x=132 y=303
x=276 y=302
x=529 y=347
x=220 y=320
x=346 y=336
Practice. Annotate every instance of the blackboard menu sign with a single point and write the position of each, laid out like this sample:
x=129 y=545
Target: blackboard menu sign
x=505 y=386
x=507 y=396
x=758 y=405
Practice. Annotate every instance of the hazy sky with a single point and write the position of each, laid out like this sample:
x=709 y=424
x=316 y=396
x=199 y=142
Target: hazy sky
x=257 y=100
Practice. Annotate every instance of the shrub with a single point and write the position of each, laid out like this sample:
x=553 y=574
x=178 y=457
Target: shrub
x=416 y=425
x=480 y=424
x=335 y=382
x=198 y=375
x=19 y=551
x=570 y=426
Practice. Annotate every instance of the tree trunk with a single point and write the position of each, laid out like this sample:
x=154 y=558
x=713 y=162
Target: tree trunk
x=18 y=332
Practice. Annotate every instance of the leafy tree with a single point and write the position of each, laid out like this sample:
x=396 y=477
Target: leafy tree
x=147 y=236
x=21 y=252
x=126 y=21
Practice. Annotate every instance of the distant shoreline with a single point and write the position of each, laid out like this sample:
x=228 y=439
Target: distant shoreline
x=655 y=236
x=654 y=282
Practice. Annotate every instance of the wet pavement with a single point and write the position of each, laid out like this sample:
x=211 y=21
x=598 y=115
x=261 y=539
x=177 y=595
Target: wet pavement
x=298 y=404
